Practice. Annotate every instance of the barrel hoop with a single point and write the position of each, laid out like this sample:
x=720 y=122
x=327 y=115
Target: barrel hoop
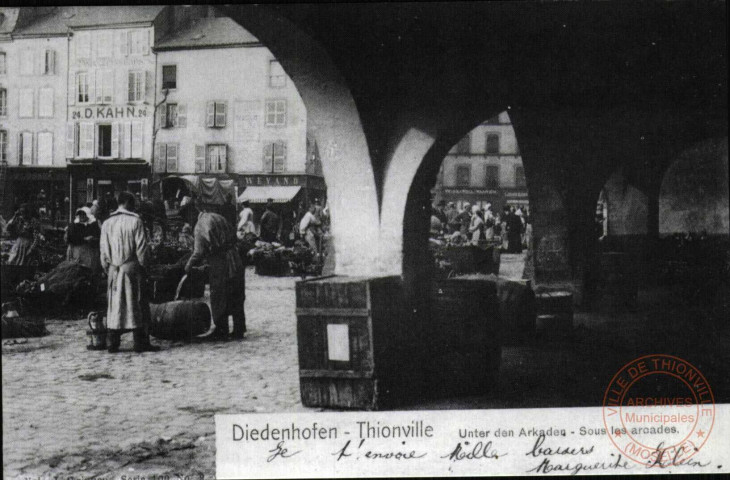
x=336 y=374
x=333 y=312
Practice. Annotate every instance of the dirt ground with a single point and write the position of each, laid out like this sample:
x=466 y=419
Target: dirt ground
x=71 y=412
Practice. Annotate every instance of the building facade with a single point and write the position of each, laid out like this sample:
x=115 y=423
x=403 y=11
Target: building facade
x=96 y=100
x=229 y=111
x=32 y=114
x=484 y=167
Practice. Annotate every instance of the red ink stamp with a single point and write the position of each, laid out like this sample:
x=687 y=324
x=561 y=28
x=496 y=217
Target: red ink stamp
x=659 y=411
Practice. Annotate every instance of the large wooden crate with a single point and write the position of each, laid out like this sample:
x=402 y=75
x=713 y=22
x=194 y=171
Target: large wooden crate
x=465 y=329
x=357 y=346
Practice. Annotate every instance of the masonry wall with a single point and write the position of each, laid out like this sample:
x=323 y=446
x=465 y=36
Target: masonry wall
x=43 y=100
x=694 y=191
x=627 y=207
x=239 y=77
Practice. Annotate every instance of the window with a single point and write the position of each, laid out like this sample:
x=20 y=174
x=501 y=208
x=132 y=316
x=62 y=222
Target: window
x=217 y=158
x=166 y=155
x=463 y=175
x=25 y=101
x=275 y=113
x=520 y=180
x=136 y=86
x=104 y=141
x=49 y=64
x=492 y=143
x=169 y=115
x=45 y=103
x=26 y=62
x=464 y=145
x=3 y=63
x=25 y=148
x=277 y=77
x=82 y=87
x=491 y=177
x=3 y=102
x=83 y=45
x=45 y=148
x=3 y=145
x=216 y=114
x=104 y=44
x=275 y=157
x=169 y=77
x=139 y=42
x=105 y=86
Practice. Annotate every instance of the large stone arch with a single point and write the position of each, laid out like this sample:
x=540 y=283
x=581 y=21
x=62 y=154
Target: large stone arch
x=335 y=123
x=694 y=190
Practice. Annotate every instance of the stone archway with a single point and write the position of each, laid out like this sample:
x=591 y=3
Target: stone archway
x=334 y=122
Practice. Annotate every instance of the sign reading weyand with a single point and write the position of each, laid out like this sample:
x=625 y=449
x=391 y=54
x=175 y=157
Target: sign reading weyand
x=307 y=181
x=94 y=113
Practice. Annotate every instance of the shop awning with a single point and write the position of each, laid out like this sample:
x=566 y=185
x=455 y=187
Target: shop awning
x=277 y=193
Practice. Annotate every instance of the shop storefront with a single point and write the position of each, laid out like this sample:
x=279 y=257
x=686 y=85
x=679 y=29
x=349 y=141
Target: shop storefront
x=296 y=190
x=498 y=198
x=96 y=180
x=44 y=188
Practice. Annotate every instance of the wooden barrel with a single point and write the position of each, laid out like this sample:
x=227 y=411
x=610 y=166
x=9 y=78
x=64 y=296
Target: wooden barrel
x=357 y=347
x=464 y=332
x=180 y=320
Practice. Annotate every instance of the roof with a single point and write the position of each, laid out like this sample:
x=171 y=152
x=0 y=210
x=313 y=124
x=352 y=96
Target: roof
x=8 y=19
x=65 y=18
x=209 y=32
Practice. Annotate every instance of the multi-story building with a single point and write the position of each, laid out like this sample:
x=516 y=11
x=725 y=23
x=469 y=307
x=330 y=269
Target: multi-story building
x=95 y=100
x=484 y=167
x=229 y=111
x=33 y=65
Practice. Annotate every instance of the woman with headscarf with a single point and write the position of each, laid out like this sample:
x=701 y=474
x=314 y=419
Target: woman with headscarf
x=26 y=231
x=82 y=237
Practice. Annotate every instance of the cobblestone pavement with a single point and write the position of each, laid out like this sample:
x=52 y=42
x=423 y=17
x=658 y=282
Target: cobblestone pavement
x=71 y=411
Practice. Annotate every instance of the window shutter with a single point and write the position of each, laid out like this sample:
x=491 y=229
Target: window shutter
x=71 y=129
x=27 y=138
x=73 y=90
x=199 y=159
x=160 y=150
x=115 y=140
x=148 y=83
x=268 y=157
x=162 y=116
x=146 y=40
x=91 y=76
x=86 y=141
x=130 y=87
x=45 y=149
x=108 y=85
x=126 y=139
x=210 y=115
x=182 y=118
x=220 y=114
x=137 y=145
x=223 y=156
x=122 y=46
x=172 y=157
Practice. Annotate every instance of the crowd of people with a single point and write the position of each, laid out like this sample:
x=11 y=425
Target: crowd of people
x=472 y=224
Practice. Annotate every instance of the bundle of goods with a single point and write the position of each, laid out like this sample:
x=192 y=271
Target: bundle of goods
x=167 y=253
x=245 y=245
x=274 y=259
x=16 y=326
x=451 y=256
x=69 y=284
x=165 y=279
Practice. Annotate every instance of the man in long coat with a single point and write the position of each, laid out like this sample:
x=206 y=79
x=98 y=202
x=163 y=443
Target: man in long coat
x=124 y=254
x=215 y=240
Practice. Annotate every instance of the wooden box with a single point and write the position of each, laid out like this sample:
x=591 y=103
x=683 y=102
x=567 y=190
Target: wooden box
x=357 y=346
x=465 y=347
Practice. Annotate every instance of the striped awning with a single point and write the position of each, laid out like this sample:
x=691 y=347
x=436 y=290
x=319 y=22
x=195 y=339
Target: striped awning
x=279 y=194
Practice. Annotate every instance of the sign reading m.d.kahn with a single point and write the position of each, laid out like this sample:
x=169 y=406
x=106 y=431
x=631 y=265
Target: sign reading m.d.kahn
x=108 y=113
